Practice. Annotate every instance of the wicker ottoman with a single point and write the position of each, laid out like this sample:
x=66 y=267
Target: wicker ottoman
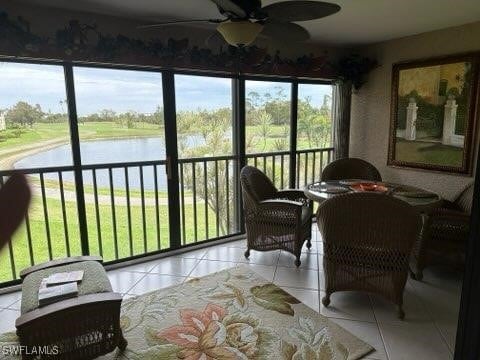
x=79 y=328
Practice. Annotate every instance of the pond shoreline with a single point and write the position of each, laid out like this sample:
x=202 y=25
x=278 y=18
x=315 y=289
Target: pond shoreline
x=16 y=154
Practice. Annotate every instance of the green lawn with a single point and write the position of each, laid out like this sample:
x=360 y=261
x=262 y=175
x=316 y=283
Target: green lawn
x=95 y=130
x=57 y=232
x=428 y=153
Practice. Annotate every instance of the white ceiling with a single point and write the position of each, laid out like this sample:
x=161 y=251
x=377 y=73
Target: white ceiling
x=359 y=21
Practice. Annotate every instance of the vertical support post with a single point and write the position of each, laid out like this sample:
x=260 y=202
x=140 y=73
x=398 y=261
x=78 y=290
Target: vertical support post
x=170 y=115
x=293 y=134
x=238 y=136
x=449 y=120
x=77 y=159
x=411 y=123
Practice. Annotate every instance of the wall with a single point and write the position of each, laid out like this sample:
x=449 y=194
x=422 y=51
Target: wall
x=371 y=104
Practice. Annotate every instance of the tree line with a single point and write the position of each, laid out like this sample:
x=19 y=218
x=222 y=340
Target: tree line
x=262 y=110
x=23 y=114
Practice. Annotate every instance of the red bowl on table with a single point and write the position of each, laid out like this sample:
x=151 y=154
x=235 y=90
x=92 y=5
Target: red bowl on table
x=368 y=186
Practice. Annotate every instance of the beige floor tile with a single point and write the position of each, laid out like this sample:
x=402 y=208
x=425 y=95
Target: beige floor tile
x=268 y=258
x=224 y=253
x=350 y=305
x=174 y=266
x=297 y=278
x=267 y=272
x=242 y=244
x=141 y=267
x=122 y=281
x=6 y=300
x=308 y=297
x=317 y=247
x=308 y=260
x=8 y=318
x=152 y=282
x=367 y=332
x=193 y=254
x=205 y=267
x=415 y=312
x=419 y=341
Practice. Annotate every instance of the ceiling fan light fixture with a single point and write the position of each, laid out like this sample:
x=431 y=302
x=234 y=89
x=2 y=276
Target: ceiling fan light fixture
x=239 y=33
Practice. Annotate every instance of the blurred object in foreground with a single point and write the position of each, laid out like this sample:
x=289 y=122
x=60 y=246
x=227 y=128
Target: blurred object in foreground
x=15 y=197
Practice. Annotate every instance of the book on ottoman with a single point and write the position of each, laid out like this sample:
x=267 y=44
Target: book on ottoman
x=51 y=294
x=64 y=278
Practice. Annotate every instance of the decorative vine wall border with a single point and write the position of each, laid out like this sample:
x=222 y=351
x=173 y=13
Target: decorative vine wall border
x=82 y=42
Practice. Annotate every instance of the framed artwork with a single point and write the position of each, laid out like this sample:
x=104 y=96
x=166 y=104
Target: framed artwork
x=434 y=107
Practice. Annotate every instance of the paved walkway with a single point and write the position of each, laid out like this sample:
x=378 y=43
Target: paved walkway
x=121 y=200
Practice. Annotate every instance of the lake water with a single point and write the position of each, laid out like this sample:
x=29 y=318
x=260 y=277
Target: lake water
x=109 y=151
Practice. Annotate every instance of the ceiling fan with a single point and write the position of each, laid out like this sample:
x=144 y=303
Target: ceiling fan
x=244 y=20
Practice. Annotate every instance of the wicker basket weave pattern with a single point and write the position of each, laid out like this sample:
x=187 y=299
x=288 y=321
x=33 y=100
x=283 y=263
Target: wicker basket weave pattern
x=368 y=239
x=350 y=168
x=274 y=219
x=447 y=230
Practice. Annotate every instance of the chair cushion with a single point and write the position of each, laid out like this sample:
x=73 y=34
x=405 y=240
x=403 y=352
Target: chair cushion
x=257 y=184
x=95 y=280
x=306 y=214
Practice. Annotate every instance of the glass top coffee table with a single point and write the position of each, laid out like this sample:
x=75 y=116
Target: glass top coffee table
x=424 y=201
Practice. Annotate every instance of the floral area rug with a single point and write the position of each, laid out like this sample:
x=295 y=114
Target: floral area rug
x=232 y=314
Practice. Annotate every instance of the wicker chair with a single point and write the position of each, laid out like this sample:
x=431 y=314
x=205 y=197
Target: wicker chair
x=350 y=168
x=368 y=239
x=447 y=233
x=83 y=327
x=274 y=219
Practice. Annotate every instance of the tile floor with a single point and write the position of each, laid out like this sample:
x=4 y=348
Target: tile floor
x=431 y=306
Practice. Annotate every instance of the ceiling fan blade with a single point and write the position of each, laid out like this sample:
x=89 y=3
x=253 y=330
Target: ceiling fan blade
x=284 y=30
x=179 y=22
x=215 y=40
x=230 y=8
x=300 y=10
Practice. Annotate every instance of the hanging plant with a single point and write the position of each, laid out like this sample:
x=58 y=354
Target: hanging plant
x=353 y=68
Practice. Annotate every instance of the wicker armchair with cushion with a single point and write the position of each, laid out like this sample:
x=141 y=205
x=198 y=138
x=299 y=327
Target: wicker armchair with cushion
x=274 y=219
x=447 y=231
x=368 y=239
x=350 y=168
x=83 y=327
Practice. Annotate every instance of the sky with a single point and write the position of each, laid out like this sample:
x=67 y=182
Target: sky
x=125 y=90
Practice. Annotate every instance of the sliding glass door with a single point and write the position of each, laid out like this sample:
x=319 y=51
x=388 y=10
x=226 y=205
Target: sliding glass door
x=267 y=128
x=128 y=162
x=206 y=162
x=123 y=155
x=35 y=138
x=314 y=131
